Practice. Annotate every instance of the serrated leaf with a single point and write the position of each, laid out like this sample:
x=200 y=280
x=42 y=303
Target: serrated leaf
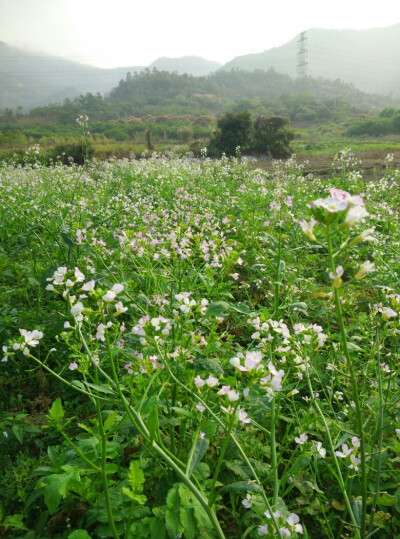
x=110 y=421
x=198 y=453
x=14 y=521
x=240 y=308
x=135 y=476
x=139 y=498
x=57 y=486
x=386 y=500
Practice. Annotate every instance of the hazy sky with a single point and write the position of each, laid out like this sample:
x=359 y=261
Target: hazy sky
x=111 y=33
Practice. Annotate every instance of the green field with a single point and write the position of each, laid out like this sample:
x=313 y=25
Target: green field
x=199 y=348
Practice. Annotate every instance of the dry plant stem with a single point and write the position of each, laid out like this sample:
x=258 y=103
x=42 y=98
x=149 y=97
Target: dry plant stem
x=354 y=386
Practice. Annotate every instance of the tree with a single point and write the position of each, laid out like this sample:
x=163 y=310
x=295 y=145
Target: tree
x=271 y=135
x=233 y=130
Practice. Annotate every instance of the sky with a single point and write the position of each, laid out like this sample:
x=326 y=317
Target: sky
x=114 y=33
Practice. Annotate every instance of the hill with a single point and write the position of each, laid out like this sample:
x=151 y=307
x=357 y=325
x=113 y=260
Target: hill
x=30 y=80
x=369 y=59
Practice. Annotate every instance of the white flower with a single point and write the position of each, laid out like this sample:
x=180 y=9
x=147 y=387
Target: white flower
x=320 y=450
x=117 y=288
x=366 y=267
x=387 y=313
x=88 y=286
x=354 y=462
x=243 y=417
x=109 y=296
x=212 y=381
x=355 y=214
x=247 y=502
x=200 y=407
x=302 y=440
x=77 y=308
x=119 y=308
x=31 y=338
x=293 y=521
x=199 y=382
x=308 y=228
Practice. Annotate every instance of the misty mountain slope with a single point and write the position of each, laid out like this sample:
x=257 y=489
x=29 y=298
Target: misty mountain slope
x=369 y=59
x=31 y=80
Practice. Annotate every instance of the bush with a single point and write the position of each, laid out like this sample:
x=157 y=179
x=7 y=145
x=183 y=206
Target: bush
x=270 y=135
x=233 y=130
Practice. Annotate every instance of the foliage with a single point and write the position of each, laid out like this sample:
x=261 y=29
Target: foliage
x=271 y=135
x=233 y=131
x=197 y=347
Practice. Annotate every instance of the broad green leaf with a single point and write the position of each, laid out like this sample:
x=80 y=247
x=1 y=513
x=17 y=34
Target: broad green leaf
x=198 y=453
x=79 y=534
x=56 y=412
x=18 y=432
x=57 y=486
x=172 y=514
x=386 y=500
x=220 y=308
x=101 y=389
x=187 y=512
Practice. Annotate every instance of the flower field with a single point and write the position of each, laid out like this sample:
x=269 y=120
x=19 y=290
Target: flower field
x=199 y=349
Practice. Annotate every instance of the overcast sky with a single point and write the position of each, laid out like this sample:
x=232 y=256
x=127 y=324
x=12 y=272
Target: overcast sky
x=111 y=33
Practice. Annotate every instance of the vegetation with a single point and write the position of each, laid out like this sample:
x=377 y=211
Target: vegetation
x=196 y=348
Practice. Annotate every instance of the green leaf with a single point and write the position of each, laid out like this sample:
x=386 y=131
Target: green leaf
x=139 y=498
x=18 y=432
x=57 y=486
x=240 y=486
x=387 y=500
x=198 y=453
x=149 y=404
x=219 y=308
x=79 y=534
x=187 y=512
x=56 y=412
x=14 y=521
x=67 y=240
x=356 y=505
x=135 y=476
x=240 y=308
x=100 y=389
x=172 y=514
x=110 y=421
x=152 y=423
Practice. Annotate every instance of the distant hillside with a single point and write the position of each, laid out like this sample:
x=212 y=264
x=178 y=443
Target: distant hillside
x=369 y=59
x=31 y=80
x=193 y=65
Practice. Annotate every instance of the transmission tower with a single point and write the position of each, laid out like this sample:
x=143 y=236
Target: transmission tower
x=302 y=65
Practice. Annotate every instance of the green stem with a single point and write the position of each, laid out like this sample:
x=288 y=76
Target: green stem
x=354 y=389
x=103 y=446
x=274 y=461
x=141 y=427
x=222 y=454
x=335 y=460
x=380 y=443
